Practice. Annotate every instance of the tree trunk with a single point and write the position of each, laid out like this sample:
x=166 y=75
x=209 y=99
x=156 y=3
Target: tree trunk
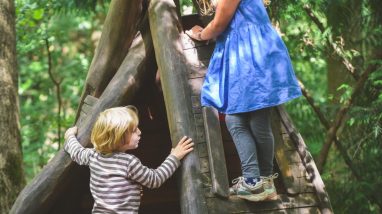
x=11 y=174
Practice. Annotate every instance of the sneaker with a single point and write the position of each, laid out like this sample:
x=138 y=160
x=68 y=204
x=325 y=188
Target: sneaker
x=269 y=187
x=246 y=191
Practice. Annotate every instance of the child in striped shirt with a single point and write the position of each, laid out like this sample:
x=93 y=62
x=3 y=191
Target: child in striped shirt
x=116 y=178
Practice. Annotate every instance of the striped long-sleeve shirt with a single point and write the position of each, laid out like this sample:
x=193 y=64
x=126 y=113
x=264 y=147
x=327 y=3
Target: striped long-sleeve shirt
x=116 y=179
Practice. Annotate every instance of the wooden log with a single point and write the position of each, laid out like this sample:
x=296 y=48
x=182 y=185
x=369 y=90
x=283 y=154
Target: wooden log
x=285 y=204
x=165 y=29
x=121 y=26
x=283 y=150
x=307 y=160
x=41 y=194
x=217 y=161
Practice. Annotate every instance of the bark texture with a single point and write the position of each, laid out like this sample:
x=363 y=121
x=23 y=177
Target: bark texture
x=11 y=174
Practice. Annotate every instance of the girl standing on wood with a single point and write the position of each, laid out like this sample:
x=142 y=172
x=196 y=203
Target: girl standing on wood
x=249 y=72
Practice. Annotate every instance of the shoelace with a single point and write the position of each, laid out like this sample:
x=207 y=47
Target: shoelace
x=274 y=176
x=271 y=177
x=237 y=181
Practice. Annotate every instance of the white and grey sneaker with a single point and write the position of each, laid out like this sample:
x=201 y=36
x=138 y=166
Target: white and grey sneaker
x=269 y=187
x=247 y=191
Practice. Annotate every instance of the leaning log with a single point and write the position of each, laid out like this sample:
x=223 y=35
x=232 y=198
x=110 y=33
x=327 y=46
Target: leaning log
x=121 y=25
x=42 y=192
x=165 y=29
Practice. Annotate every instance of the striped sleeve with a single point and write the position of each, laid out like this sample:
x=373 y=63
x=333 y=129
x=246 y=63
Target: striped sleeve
x=77 y=152
x=152 y=178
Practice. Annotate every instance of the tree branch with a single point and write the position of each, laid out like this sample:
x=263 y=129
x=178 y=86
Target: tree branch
x=332 y=133
x=57 y=84
x=371 y=197
x=349 y=67
x=326 y=124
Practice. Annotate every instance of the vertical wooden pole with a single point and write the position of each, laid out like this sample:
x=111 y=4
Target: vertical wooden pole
x=165 y=30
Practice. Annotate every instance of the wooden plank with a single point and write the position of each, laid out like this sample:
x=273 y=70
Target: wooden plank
x=199 y=53
x=198 y=59
x=291 y=204
x=189 y=43
x=195 y=102
x=195 y=86
x=120 y=29
x=283 y=158
x=171 y=62
x=86 y=108
x=90 y=100
x=200 y=134
x=199 y=119
x=198 y=70
x=81 y=118
x=202 y=150
x=305 y=210
x=204 y=165
x=215 y=149
x=307 y=160
x=206 y=181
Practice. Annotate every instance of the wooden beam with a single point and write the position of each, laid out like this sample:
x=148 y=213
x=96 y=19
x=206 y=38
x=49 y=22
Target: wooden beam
x=284 y=204
x=41 y=194
x=120 y=28
x=307 y=160
x=219 y=177
x=165 y=28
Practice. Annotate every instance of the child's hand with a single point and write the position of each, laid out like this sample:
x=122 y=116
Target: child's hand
x=194 y=32
x=71 y=131
x=184 y=146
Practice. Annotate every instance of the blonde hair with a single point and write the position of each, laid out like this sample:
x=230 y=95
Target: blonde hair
x=110 y=128
x=207 y=7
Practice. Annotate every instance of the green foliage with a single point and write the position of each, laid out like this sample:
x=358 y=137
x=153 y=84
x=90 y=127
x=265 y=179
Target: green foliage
x=70 y=25
x=71 y=49
x=187 y=7
x=361 y=133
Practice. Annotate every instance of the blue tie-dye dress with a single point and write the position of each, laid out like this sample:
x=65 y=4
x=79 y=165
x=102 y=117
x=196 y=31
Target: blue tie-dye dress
x=250 y=68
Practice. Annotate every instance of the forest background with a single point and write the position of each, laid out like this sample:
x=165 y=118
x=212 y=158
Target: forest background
x=335 y=46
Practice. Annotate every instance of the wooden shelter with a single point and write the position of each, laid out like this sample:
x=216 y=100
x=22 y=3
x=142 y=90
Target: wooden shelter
x=145 y=59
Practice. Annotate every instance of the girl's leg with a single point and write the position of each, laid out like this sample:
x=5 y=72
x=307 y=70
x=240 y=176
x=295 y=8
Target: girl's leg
x=260 y=123
x=238 y=126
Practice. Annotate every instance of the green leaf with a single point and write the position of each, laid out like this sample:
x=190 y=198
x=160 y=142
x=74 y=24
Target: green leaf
x=38 y=14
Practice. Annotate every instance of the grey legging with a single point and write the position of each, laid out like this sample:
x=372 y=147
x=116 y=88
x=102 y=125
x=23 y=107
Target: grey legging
x=253 y=138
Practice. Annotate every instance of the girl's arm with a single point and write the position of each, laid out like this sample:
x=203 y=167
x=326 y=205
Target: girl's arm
x=224 y=12
x=77 y=152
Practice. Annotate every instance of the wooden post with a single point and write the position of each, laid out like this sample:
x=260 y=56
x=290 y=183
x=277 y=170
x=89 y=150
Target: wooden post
x=219 y=177
x=307 y=160
x=120 y=28
x=42 y=192
x=165 y=30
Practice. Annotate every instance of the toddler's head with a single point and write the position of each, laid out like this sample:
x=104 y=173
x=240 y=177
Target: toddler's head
x=113 y=128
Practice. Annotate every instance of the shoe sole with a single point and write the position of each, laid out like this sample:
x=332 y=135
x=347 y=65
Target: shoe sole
x=272 y=197
x=258 y=197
